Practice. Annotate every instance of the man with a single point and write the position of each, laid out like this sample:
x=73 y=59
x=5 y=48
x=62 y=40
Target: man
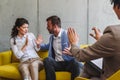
x=57 y=61
x=107 y=47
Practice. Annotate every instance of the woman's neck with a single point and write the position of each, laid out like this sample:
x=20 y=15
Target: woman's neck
x=20 y=35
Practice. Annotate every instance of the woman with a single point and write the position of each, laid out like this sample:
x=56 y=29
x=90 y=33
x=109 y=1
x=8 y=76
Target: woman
x=24 y=46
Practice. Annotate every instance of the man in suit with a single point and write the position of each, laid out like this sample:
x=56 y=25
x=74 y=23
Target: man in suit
x=58 y=41
x=107 y=47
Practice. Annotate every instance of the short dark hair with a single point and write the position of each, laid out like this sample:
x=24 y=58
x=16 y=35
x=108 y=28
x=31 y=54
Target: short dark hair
x=115 y=3
x=54 y=20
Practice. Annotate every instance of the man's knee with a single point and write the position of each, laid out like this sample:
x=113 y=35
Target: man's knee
x=48 y=60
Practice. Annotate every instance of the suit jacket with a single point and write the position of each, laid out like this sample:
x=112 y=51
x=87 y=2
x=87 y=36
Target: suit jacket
x=108 y=47
x=64 y=43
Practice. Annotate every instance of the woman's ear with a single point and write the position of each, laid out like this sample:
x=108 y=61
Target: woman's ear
x=17 y=28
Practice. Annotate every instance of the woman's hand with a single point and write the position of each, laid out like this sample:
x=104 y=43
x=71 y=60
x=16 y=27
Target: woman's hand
x=25 y=45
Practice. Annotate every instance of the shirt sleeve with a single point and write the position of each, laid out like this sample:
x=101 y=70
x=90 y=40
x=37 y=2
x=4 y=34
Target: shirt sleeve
x=18 y=53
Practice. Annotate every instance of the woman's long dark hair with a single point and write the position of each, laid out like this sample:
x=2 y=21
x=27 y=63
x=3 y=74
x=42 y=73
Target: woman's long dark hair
x=19 y=22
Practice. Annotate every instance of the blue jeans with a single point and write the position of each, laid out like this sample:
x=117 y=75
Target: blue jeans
x=51 y=66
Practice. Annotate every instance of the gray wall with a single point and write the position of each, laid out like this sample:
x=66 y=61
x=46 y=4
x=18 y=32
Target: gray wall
x=101 y=15
x=80 y=14
x=9 y=11
x=72 y=13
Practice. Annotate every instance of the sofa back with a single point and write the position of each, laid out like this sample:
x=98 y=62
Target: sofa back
x=7 y=57
x=42 y=54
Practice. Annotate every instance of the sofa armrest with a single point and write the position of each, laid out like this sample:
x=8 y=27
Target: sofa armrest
x=5 y=57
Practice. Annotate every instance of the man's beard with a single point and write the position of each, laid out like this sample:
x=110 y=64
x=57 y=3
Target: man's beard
x=51 y=31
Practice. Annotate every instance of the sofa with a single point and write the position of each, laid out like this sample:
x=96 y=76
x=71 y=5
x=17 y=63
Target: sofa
x=9 y=67
x=9 y=70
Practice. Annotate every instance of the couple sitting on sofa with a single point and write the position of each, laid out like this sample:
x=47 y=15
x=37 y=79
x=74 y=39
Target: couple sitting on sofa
x=24 y=45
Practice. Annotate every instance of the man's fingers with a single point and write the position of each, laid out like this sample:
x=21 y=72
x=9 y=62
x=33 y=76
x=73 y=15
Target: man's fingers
x=92 y=35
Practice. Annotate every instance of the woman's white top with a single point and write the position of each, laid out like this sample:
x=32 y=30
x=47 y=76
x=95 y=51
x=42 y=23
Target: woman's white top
x=30 y=51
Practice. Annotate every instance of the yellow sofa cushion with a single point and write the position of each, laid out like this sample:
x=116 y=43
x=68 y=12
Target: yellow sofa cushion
x=14 y=58
x=63 y=76
x=59 y=75
x=115 y=76
x=10 y=71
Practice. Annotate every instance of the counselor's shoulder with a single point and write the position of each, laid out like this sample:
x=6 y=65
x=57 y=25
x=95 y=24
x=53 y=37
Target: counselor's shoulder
x=112 y=29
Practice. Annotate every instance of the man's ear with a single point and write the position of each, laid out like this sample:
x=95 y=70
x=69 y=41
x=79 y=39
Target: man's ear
x=55 y=25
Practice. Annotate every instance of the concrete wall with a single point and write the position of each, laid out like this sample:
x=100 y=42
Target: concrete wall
x=80 y=14
x=73 y=13
x=101 y=15
x=9 y=11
